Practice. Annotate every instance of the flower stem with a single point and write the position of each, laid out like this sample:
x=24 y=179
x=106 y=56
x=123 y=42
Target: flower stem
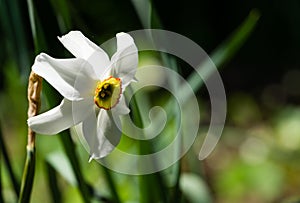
x=71 y=153
x=53 y=183
x=34 y=90
x=151 y=185
x=112 y=186
x=69 y=148
x=28 y=176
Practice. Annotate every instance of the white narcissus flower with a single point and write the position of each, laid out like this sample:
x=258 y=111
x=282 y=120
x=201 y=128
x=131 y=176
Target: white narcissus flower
x=92 y=87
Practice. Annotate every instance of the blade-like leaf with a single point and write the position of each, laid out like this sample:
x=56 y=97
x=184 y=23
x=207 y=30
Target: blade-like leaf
x=53 y=185
x=28 y=176
x=224 y=52
x=14 y=31
x=3 y=151
x=194 y=188
x=63 y=14
x=144 y=10
x=62 y=165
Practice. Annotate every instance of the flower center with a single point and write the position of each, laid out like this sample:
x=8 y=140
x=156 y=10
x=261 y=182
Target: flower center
x=108 y=93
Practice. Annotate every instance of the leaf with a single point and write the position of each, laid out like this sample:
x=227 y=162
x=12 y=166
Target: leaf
x=144 y=10
x=12 y=176
x=194 y=188
x=224 y=52
x=62 y=165
x=63 y=13
x=53 y=184
x=28 y=176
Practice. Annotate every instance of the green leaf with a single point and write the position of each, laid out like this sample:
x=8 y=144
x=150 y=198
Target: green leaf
x=53 y=185
x=14 y=31
x=69 y=147
x=112 y=186
x=194 y=188
x=224 y=52
x=63 y=14
x=147 y=14
x=3 y=151
x=148 y=183
x=62 y=165
x=28 y=176
x=37 y=33
x=144 y=10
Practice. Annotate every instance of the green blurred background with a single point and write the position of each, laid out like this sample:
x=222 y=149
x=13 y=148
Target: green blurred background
x=257 y=158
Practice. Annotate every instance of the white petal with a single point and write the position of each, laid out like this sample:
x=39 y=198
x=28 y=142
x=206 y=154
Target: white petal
x=99 y=62
x=125 y=60
x=89 y=130
x=65 y=74
x=124 y=40
x=80 y=46
x=59 y=118
x=121 y=108
x=108 y=135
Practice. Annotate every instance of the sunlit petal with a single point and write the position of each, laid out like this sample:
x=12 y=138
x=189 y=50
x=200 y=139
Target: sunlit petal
x=63 y=74
x=89 y=130
x=124 y=62
x=108 y=135
x=80 y=46
x=100 y=64
x=58 y=118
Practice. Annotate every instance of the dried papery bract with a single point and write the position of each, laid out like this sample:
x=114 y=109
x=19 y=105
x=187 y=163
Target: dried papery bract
x=34 y=101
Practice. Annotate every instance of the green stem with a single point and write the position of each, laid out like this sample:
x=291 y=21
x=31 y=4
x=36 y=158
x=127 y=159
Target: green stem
x=112 y=186
x=177 y=193
x=150 y=183
x=145 y=180
x=69 y=147
x=53 y=184
x=71 y=153
x=15 y=183
x=33 y=24
x=28 y=175
x=34 y=89
x=33 y=96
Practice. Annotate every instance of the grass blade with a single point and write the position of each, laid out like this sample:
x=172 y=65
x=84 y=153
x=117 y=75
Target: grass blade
x=144 y=10
x=151 y=184
x=14 y=181
x=112 y=186
x=14 y=30
x=53 y=185
x=224 y=52
x=220 y=56
x=69 y=147
x=63 y=14
x=36 y=29
x=28 y=176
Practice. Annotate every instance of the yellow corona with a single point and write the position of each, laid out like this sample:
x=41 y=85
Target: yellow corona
x=108 y=93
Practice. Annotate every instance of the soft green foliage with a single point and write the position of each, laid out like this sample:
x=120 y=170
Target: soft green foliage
x=194 y=188
x=255 y=161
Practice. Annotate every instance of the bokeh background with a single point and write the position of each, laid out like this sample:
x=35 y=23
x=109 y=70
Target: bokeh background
x=257 y=158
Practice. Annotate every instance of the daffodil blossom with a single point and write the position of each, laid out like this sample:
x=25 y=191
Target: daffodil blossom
x=92 y=87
